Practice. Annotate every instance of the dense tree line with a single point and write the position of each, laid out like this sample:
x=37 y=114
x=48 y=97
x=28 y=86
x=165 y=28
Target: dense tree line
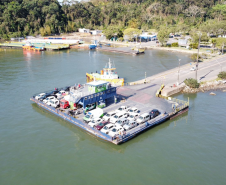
x=33 y=17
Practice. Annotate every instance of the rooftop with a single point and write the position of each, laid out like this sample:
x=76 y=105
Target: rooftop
x=96 y=83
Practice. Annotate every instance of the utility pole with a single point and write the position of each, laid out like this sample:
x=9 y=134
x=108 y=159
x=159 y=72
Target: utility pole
x=145 y=78
x=222 y=49
x=178 y=73
x=198 y=57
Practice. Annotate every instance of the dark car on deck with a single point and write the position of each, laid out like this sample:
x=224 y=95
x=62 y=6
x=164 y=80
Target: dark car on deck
x=67 y=88
x=52 y=93
x=101 y=125
x=154 y=113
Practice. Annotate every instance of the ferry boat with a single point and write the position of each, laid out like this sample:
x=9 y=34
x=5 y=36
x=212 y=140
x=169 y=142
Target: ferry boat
x=107 y=74
x=28 y=46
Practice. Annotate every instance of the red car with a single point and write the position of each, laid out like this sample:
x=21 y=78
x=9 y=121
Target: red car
x=101 y=125
x=64 y=104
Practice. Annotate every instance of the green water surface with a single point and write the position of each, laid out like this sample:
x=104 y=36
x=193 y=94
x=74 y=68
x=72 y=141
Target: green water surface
x=39 y=148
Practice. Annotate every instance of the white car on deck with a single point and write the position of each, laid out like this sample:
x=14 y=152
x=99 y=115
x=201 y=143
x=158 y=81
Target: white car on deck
x=115 y=131
x=49 y=98
x=193 y=69
x=130 y=125
x=122 y=109
x=61 y=93
x=133 y=116
x=133 y=110
x=40 y=96
x=116 y=117
x=95 y=122
x=121 y=122
x=143 y=118
x=107 y=128
x=108 y=116
x=53 y=103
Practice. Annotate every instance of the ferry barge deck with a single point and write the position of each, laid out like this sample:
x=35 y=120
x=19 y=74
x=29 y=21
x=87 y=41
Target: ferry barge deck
x=140 y=96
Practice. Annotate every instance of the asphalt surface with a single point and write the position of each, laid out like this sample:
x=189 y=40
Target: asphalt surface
x=207 y=70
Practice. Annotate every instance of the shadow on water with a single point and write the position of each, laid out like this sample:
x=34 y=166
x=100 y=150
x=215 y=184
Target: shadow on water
x=82 y=135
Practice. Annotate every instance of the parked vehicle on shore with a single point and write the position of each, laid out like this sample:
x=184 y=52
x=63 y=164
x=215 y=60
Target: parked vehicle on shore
x=107 y=128
x=107 y=116
x=142 y=118
x=154 y=113
x=101 y=125
x=41 y=95
x=193 y=69
x=94 y=114
x=130 y=125
x=115 y=131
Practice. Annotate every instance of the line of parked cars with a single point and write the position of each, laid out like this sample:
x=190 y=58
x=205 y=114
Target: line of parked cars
x=53 y=98
x=120 y=120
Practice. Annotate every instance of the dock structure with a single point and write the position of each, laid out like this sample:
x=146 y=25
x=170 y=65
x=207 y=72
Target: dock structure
x=124 y=50
x=47 y=46
x=139 y=96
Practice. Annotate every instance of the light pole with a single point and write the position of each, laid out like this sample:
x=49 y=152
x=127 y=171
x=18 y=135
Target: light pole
x=220 y=65
x=145 y=78
x=178 y=73
x=200 y=34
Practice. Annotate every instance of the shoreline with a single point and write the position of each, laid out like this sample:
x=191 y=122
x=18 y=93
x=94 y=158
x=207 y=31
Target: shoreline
x=208 y=86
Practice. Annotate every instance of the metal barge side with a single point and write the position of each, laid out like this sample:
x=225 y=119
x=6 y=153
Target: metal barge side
x=117 y=140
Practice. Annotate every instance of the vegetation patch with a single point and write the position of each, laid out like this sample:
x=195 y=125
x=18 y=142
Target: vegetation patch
x=175 y=44
x=192 y=83
x=222 y=75
x=194 y=57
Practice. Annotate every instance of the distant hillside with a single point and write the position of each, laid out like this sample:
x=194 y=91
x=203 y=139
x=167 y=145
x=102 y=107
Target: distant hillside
x=32 y=17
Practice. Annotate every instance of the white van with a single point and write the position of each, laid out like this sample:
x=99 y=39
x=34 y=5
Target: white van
x=96 y=113
x=142 y=118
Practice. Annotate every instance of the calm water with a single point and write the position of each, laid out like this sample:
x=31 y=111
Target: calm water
x=36 y=147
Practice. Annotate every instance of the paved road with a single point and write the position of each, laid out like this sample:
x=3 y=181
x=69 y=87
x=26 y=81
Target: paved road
x=207 y=70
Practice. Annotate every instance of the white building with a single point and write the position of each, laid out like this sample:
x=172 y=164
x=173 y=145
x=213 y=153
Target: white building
x=96 y=32
x=83 y=30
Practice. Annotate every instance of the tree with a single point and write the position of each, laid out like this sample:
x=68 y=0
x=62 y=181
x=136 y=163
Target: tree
x=131 y=32
x=219 y=10
x=42 y=31
x=191 y=82
x=163 y=36
x=48 y=30
x=222 y=75
x=112 y=31
x=133 y=23
x=220 y=43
